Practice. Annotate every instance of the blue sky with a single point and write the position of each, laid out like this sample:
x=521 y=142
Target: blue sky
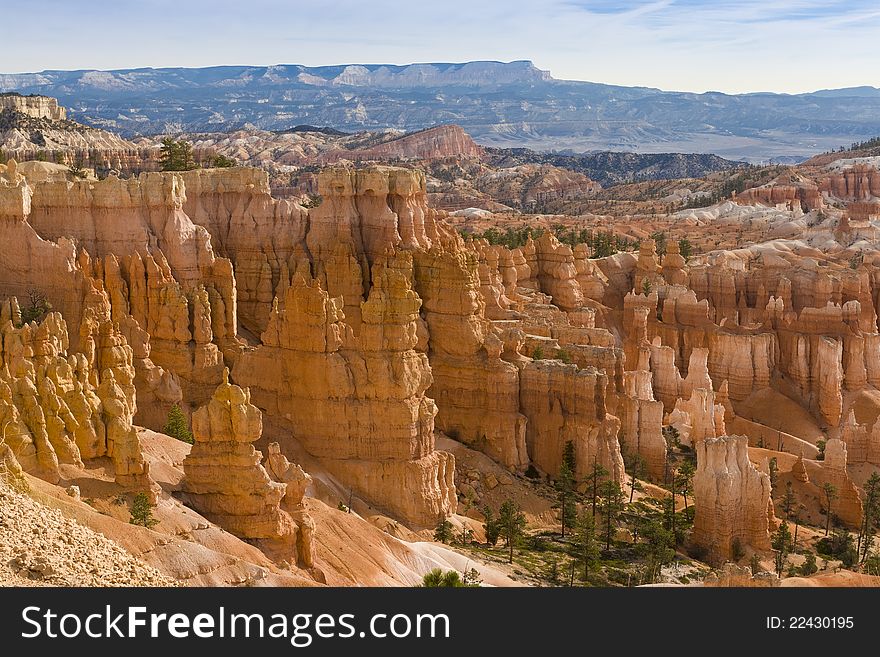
x=694 y=45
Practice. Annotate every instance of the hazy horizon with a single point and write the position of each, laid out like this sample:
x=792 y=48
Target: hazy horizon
x=437 y=62
x=730 y=46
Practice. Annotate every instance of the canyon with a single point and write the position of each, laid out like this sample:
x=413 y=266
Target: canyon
x=361 y=360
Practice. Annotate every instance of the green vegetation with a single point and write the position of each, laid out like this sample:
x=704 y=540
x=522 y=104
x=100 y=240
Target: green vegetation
x=781 y=543
x=76 y=169
x=142 y=511
x=493 y=529
x=444 y=532
x=839 y=545
x=868 y=144
x=808 y=567
x=436 y=578
x=600 y=243
x=830 y=492
x=611 y=505
x=870 y=515
x=738 y=183
x=512 y=238
x=176 y=155
x=177 y=426
x=222 y=162
x=565 y=485
x=659 y=238
x=686 y=248
x=513 y=525
x=313 y=201
x=36 y=307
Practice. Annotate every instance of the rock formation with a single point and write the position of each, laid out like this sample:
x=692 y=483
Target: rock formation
x=732 y=499
x=297 y=482
x=225 y=480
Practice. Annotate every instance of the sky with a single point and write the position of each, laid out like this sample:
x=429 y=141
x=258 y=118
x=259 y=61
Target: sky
x=738 y=46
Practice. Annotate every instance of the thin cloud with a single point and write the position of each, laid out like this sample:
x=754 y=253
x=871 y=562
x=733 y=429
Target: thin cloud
x=694 y=45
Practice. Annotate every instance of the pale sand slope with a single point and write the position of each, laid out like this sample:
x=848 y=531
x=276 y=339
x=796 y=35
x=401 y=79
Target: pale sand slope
x=189 y=550
x=39 y=545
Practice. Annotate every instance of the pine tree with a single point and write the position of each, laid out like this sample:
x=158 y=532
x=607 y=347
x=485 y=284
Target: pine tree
x=443 y=532
x=685 y=247
x=585 y=548
x=685 y=478
x=513 y=525
x=871 y=512
x=220 y=161
x=611 y=506
x=142 y=511
x=781 y=543
x=493 y=529
x=436 y=578
x=788 y=501
x=177 y=426
x=636 y=466
x=597 y=473
x=808 y=567
x=565 y=488
x=830 y=491
x=659 y=544
x=176 y=155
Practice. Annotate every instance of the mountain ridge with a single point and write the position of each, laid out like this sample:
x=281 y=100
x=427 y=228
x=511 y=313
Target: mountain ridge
x=513 y=104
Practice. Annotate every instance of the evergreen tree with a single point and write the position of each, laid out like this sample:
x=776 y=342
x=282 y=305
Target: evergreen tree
x=493 y=528
x=513 y=525
x=142 y=511
x=585 y=548
x=636 y=466
x=685 y=481
x=222 y=162
x=76 y=169
x=597 y=473
x=176 y=155
x=788 y=501
x=564 y=485
x=781 y=543
x=808 y=567
x=443 y=533
x=660 y=547
x=870 y=514
x=830 y=491
x=611 y=506
x=436 y=578
x=177 y=426
x=659 y=238
x=685 y=247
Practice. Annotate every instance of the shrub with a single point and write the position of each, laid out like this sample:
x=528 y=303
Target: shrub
x=142 y=511
x=177 y=426
x=222 y=162
x=443 y=532
x=36 y=309
x=538 y=353
x=809 y=566
x=313 y=201
x=755 y=565
x=436 y=578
